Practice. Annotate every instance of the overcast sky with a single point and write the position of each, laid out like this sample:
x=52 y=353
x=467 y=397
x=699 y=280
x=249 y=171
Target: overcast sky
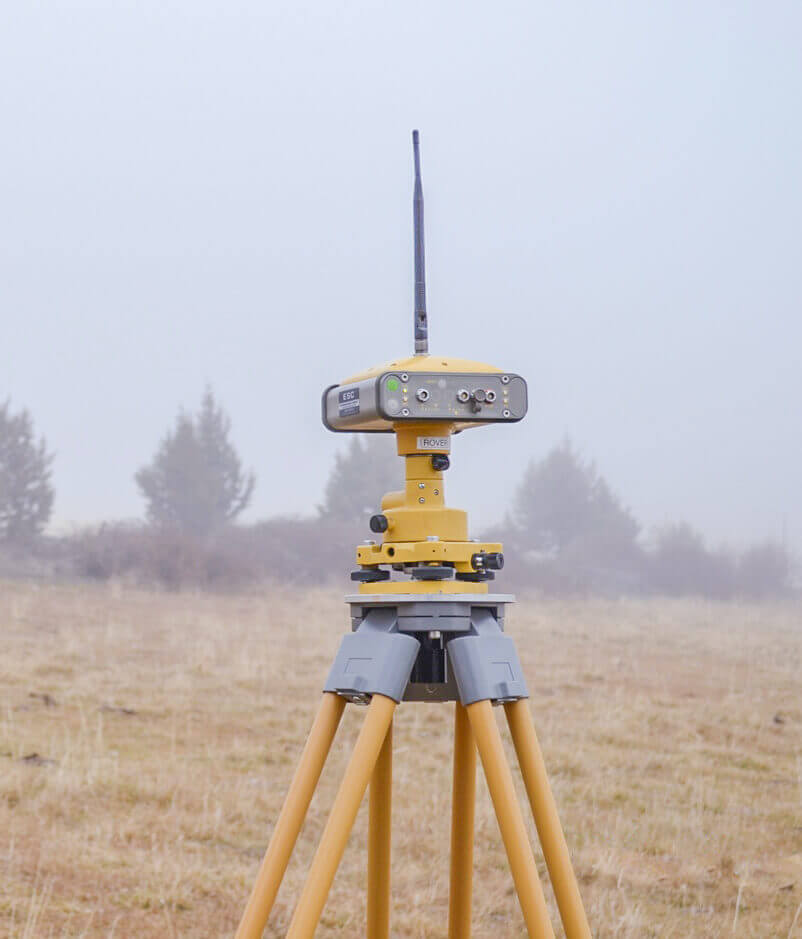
x=197 y=192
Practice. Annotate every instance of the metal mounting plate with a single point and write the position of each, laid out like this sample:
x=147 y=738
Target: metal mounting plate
x=393 y=599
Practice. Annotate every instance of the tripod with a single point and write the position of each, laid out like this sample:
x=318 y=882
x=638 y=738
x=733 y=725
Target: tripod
x=436 y=638
x=389 y=658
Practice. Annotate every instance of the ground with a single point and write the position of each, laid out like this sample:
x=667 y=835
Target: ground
x=147 y=739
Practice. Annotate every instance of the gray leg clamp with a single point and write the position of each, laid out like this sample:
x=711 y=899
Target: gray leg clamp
x=486 y=664
x=376 y=659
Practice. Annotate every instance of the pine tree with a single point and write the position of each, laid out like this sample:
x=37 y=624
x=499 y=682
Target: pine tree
x=195 y=482
x=360 y=477
x=26 y=495
x=562 y=501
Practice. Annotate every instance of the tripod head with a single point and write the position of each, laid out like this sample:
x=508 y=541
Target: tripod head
x=424 y=399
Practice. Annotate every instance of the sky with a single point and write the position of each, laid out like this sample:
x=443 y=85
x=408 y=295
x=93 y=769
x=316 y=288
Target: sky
x=198 y=193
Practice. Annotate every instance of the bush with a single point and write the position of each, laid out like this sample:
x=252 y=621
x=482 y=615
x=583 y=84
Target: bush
x=764 y=571
x=680 y=564
x=289 y=550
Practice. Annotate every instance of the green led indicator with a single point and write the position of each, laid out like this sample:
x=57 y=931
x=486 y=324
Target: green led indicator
x=392 y=384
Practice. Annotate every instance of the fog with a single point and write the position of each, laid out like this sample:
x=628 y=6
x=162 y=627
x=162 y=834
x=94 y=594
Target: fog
x=201 y=193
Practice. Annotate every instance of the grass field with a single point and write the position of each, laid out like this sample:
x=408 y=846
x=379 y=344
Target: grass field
x=146 y=741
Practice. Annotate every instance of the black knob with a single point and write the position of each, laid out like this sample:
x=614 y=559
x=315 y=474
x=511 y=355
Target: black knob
x=379 y=523
x=487 y=561
x=440 y=461
x=370 y=575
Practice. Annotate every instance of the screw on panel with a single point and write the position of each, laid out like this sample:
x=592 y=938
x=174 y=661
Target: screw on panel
x=505 y=379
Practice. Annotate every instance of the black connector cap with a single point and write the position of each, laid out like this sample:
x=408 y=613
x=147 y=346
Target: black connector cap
x=487 y=561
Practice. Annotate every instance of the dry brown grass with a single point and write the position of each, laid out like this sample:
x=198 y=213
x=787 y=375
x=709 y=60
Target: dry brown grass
x=673 y=732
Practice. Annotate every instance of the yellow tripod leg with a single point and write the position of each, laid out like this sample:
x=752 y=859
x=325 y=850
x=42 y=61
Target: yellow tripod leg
x=293 y=812
x=379 y=834
x=510 y=820
x=463 y=803
x=544 y=809
x=341 y=820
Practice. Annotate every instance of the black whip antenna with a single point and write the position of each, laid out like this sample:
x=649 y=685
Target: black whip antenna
x=421 y=319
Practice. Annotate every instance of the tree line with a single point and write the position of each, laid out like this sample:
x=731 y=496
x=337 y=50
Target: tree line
x=566 y=530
